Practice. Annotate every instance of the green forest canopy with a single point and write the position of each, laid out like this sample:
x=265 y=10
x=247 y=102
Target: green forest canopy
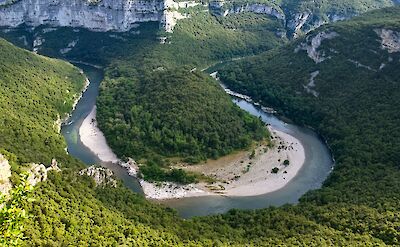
x=356 y=111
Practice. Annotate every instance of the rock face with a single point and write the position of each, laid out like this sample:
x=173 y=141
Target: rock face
x=38 y=172
x=170 y=14
x=131 y=166
x=296 y=23
x=101 y=175
x=5 y=174
x=313 y=43
x=219 y=8
x=307 y=21
x=168 y=190
x=106 y=15
x=390 y=40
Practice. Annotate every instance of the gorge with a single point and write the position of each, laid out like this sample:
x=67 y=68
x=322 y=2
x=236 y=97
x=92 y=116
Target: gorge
x=156 y=103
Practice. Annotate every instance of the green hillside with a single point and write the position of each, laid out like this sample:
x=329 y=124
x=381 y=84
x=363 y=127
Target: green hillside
x=302 y=16
x=355 y=108
x=353 y=104
x=174 y=113
x=339 y=7
x=35 y=92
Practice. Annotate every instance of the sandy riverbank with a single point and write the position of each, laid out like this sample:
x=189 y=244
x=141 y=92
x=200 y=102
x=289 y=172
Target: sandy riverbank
x=242 y=175
x=236 y=175
x=93 y=138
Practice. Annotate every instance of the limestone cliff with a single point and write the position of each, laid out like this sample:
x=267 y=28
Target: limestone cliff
x=38 y=172
x=313 y=43
x=5 y=174
x=105 y=15
x=219 y=7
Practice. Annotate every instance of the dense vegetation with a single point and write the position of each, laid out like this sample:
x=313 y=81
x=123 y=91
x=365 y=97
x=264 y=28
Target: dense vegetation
x=356 y=110
x=13 y=215
x=338 y=7
x=174 y=114
x=156 y=103
x=34 y=93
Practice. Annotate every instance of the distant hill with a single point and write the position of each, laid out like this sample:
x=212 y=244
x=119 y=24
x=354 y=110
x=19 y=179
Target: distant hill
x=343 y=80
x=300 y=16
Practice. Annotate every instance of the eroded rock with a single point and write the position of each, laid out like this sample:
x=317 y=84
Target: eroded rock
x=312 y=45
x=38 y=172
x=5 y=174
x=390 y=40
x=100 y=175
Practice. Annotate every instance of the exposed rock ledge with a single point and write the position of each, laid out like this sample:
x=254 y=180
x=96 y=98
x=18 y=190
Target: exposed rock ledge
x=5 y=174
x=106 y=15
x=390 y=40
x=38 y=172
x=118 y=15
x=219 y=8
x=311 y=46
x=101 y=175
x=307 y=21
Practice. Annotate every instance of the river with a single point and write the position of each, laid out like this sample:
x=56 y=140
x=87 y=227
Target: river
x=318 y=162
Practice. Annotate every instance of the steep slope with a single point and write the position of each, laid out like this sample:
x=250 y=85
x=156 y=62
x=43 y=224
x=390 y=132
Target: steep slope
x=136 y=78
x=306 y=15
x=35 y=93
x=343 y=80
x=102 y=15
x=106 y=15
x=355 y=108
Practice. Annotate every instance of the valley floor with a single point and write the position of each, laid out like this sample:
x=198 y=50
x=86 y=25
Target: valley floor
x=238 y=174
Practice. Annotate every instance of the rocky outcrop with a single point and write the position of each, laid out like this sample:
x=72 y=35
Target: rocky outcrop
x=131 y=166
x=168 y=190
x=296 y=23
x=313 y=43
x=105 y=15
x=220 y=8
x=390 y=40
x=5 y=174
x=38 y=172
x=101 y=175
x=170 y=15
x=302 y=23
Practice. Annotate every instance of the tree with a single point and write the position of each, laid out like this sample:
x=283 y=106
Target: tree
x=13 y=214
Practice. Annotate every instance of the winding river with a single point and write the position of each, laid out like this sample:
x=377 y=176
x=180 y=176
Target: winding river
x=317 y=167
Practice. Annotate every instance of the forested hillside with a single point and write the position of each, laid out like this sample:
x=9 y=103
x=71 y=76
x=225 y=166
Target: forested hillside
x=347 y=89
x=35 y=93
x=301 y=16
x=173 y=113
